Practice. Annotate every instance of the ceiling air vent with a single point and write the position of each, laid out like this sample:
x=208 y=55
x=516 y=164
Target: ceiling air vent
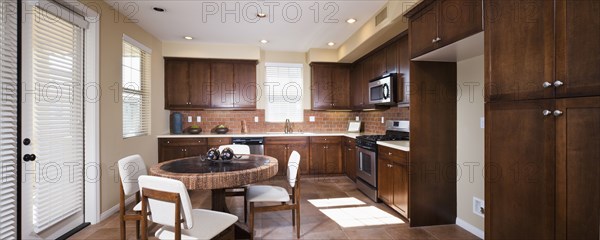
x=381 y=16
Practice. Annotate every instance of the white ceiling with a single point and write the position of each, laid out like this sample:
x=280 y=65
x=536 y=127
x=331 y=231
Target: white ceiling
x=207 y=22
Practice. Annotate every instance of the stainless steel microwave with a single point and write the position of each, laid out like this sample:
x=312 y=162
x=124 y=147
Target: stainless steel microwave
x=382 y=90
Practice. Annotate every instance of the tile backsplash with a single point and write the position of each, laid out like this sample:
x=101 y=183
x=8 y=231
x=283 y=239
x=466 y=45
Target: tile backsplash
x=324 y=121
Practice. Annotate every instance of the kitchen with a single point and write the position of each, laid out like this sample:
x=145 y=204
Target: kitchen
x=460 y=87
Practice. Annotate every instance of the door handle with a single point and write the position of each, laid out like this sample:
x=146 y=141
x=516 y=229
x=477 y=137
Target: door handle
x=29 y=157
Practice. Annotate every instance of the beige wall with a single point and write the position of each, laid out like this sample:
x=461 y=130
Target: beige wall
x=112 y=145
x=470 y=139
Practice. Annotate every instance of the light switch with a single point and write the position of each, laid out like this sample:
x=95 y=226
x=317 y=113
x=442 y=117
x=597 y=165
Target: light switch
x=198 y=119
x=382 y=119
x=189 y=119
x=357 y=118
x=482 y=122
x=311 y=119
x=256 y=119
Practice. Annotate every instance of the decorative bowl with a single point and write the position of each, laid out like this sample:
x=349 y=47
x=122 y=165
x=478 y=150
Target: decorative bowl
x=194 y=130
x=221 y=130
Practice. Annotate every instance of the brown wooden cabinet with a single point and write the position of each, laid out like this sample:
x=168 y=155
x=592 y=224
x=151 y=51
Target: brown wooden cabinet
x=218 y=141
x=282 y=147
x=349 y=156
x=544 y=169
x=186 y=84
x=393 y=175
x=437 y=23
x=330 y=86
x=403 y=70
x=552 y=55
x=192 y=84
x=326 y=155
x=174 y=148
x=379 y=64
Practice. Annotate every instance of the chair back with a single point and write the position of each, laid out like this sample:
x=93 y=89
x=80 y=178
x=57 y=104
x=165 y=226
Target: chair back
x=293 y=168
x=163 y=212
x=130 y=169
x=237 y=148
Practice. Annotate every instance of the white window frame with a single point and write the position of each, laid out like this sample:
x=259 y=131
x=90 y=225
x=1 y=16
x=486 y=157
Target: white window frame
x=143 y=92
x=272 y=90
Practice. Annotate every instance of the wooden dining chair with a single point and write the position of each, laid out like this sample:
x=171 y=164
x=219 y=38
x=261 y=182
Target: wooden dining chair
x=166 y=202
x=267 y=193
x=237 y=191
x=130 y=168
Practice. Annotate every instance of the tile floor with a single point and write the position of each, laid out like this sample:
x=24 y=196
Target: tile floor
x=380 y=223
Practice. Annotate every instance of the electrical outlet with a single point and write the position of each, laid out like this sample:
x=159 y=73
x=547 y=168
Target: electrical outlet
x=357 y=118
x=189 y=119
x=198 y=119
x=256 y=119
x=482 y=122
x=382 y=119
x=311 y=119
x=478 y=207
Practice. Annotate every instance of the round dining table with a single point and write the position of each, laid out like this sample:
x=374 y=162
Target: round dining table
x=197 y=173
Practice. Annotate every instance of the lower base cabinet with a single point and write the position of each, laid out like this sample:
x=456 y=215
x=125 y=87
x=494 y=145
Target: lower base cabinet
x=174 y=148
x=282 y=147
x=392 y=178
x=326 y=155
x=349 y=157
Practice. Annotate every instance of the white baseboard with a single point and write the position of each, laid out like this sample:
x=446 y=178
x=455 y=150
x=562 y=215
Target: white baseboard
x=115 y=209
x=472 y=229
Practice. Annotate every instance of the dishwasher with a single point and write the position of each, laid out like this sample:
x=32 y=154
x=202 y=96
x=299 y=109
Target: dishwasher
x=255 y=144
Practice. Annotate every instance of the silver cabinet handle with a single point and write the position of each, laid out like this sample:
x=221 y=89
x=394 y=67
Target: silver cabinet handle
x=558 y=83
x=433 y=40
x=558 y=113
x=438 y=39
x=546 y=112
x=389 y=153
x=546 y=84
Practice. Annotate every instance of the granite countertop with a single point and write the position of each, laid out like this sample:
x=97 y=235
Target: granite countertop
x=400 y=145
x=263 y=134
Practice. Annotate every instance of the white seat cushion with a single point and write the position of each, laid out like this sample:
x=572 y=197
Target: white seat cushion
x=207 y=224
x=138 y=207
x=265 y=193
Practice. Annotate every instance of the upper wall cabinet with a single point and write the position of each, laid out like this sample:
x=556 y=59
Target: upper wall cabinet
x=436 y=23
x=330 y=86
x=542 y=49
x=193 y=84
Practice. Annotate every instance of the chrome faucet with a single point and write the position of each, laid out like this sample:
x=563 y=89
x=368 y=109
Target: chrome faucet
x=288 y=126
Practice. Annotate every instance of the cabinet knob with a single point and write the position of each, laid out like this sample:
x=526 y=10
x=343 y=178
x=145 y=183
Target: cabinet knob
x=558 y=83
x=168 y=141
x=558 y=113
x=433 y=40
x=546 y=84
x=438 y=39
x=546 y=112
x=389 y=153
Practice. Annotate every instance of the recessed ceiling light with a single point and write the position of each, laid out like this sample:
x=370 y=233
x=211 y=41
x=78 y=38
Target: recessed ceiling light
x=351 y=20
x=331 y=43
x=261 y=15
x=264 y=41
x=158 y=9
x=188 y=38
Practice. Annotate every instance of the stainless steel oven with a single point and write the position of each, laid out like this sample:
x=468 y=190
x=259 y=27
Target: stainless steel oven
x=366 y=172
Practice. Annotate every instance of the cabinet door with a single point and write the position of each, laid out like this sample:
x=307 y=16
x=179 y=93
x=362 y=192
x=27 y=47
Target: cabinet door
x=199 y=84
x=459 y=19
x=176 y=84
x=333 y=159
x=391 y=58
x=170 y=152
x=385 y=181
x=302 y=149
x=340 y=83
x=379 y=64
x=400 y=192
x=366 y=77
x=520 y=167
x=221 y=83
x=278 y=151
x=423 y=30
x=403 y=84
x=577 y=48
x=195 y=150
x=519 y=49
x=350 y=161
x=216 y=142
x=317 y=158
x=578 y=168
x=321 y=87
x=245 y=85
x=356 y=87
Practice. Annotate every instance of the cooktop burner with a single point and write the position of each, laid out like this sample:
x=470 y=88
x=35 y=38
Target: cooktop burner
x=376 y=138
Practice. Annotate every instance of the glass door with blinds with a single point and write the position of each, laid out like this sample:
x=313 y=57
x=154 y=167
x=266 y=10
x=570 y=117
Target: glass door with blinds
x=52 y=121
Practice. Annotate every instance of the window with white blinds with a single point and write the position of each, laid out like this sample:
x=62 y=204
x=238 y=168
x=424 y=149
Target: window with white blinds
x=8 y=120
x=56 y=118
x=136 y=88
x=284 y=89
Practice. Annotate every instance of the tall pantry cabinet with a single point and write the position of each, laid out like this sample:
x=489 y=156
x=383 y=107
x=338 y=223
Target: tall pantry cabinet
x=542 y=94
